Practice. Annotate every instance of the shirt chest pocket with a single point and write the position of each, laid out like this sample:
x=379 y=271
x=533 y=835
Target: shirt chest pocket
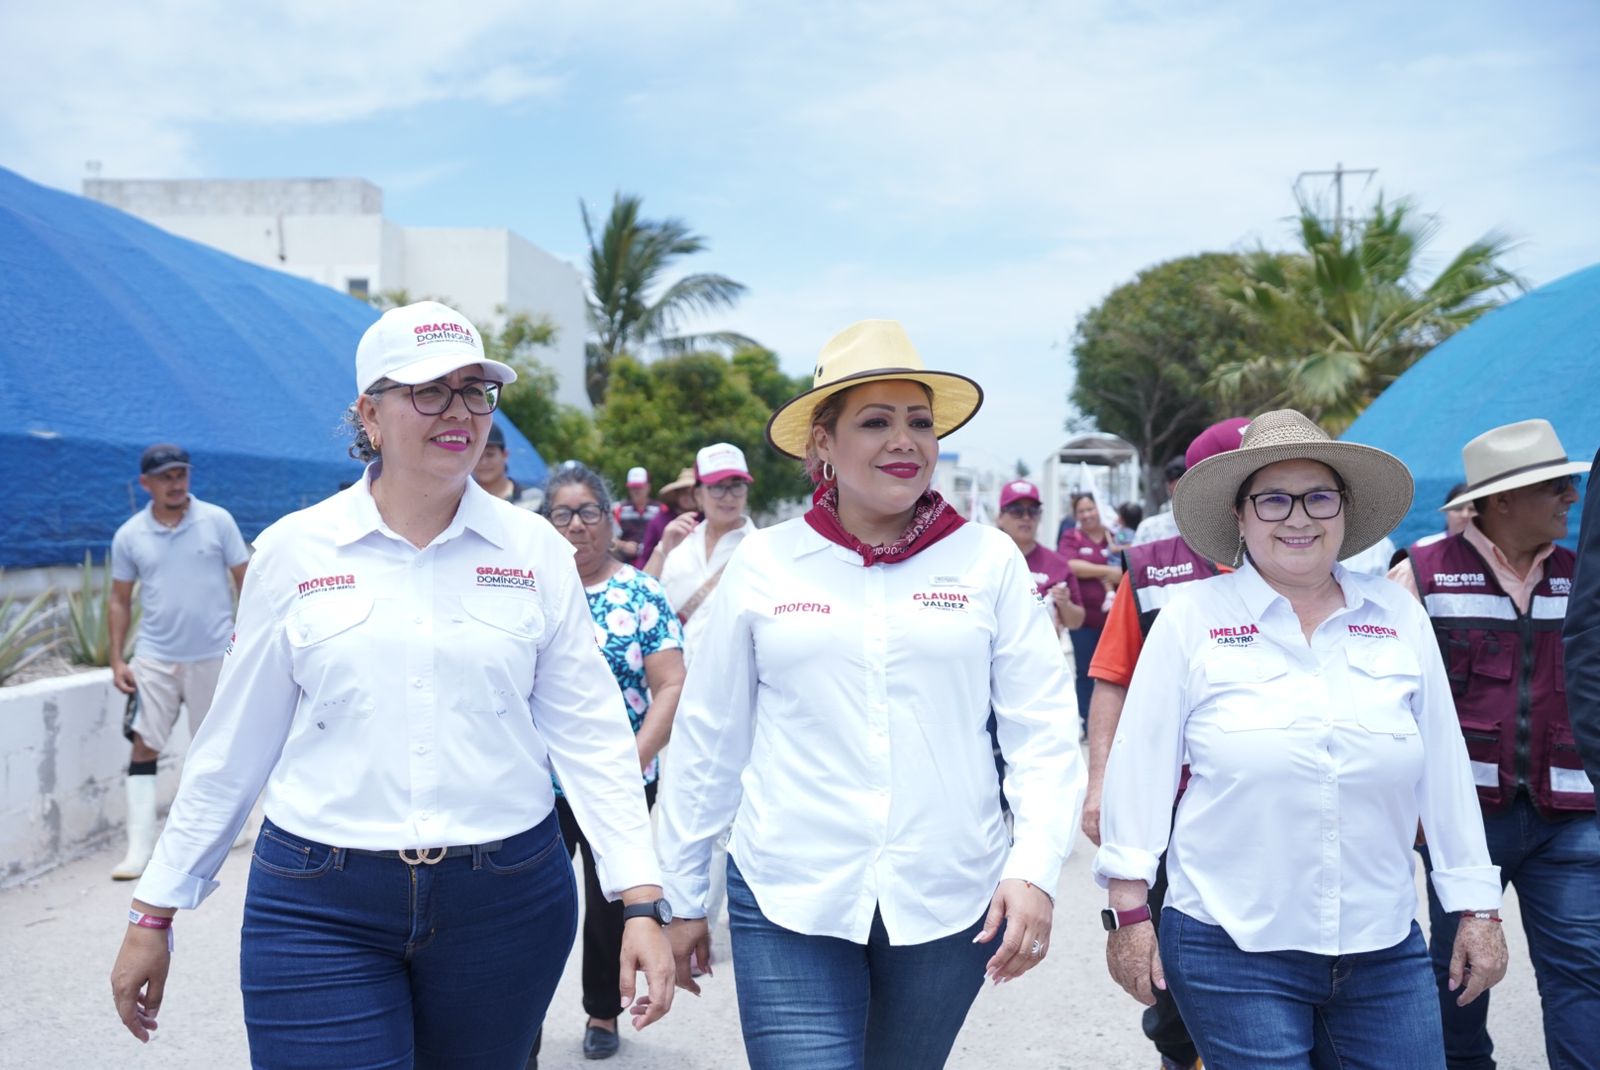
x=501 y=618
x=320 y=631
x=1249 y=692
x=1385 y=678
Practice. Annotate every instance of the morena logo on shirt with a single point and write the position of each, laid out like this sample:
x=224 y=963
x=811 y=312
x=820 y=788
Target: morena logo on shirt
x=1458 y=579
x=1374 y=631
x=1153 y=573
x=1240 y=635
x=1560 y=585
x=802 y=607
x=947 y=600
x=495 y=576
x=234 y=638
x=318 y=584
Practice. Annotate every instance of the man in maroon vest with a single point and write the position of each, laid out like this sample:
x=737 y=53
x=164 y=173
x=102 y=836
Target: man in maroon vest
x=1497 y=593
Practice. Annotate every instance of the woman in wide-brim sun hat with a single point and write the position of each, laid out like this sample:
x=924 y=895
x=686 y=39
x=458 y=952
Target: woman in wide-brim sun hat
x=413 y=659
x=1314 y=711
x=835 y=714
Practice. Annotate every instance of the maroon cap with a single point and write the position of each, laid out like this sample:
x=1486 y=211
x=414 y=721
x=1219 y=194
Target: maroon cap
x=1018 y=490
x=1218 y=438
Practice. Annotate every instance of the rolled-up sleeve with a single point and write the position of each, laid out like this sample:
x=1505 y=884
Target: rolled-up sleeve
x=234 y=752
x=592 y=750
x=1447 y=799
x=1036 y=716
x=712 y=736
x=1146 y=759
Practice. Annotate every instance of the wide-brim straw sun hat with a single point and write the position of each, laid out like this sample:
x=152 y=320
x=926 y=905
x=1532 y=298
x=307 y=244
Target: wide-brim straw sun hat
x=1512 y=456
x=685 y=481
x=1378 y=486
x=872 y=351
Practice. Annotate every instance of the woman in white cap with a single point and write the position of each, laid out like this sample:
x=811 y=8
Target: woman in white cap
x=1314 y=711
x=835 y=713
x=408 y=653
x=696 y=547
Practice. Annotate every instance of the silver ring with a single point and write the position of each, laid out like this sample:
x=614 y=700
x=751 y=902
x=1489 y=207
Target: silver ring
x=1037 y=949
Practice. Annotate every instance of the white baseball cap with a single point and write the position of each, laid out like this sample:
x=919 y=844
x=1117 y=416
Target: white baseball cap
x=638 y=477
x=419 y=343
x=721 y=461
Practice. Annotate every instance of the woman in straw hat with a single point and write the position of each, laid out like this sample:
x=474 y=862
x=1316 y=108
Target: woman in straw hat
x=835 y=715
x=1314 y=711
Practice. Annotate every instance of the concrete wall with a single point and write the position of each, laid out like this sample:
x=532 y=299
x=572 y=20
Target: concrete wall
x=62 y=763
x=258 y=196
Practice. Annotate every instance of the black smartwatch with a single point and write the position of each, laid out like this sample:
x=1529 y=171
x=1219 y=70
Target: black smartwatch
x=659 y=909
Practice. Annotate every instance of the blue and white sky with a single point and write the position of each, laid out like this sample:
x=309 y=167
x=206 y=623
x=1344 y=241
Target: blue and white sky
x=983 y=172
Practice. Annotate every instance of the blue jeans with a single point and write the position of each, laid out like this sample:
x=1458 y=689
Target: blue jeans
x=1084 y=640
x=1556 y=868
x=822 y=1003
x=353 y=961
x=1287 y=1010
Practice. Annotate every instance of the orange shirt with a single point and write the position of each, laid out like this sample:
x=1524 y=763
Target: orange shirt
x=1121 y=639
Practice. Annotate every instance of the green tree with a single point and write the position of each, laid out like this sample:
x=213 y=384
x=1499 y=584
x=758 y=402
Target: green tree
x=1145 y=354
x=558 y=431
x=658 y=415
x=631 y=305
x=1350 y=311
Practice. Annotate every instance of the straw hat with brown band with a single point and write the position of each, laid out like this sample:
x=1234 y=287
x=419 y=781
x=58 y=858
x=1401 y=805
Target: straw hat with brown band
x=1512 y=456
x=872 y=351
x=1378 y=485
x=685 y=481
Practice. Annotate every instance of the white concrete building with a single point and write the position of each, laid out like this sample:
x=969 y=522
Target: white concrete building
x=333 y=231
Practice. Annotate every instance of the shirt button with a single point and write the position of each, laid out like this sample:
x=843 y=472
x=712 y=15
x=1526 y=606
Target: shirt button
x=417 y=682
x=1331 y=835
x=422 y=749
x=1332 y=893
x=418 y=618
x=1328 y=779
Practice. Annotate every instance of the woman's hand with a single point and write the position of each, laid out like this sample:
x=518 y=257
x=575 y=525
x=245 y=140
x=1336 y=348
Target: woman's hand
x=1027 y=913
x=690 y=936
x=675 y=532
x=1134 y=959
x=645 y=949
x=139 y=978
x=1479 y=958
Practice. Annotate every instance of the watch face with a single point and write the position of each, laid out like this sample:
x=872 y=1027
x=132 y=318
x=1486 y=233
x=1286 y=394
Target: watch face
x=1108 y=918
x=663 y=911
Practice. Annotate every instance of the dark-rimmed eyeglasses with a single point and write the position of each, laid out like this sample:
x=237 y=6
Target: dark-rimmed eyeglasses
x=480 y=396
x=1024 y=512
x=736 y=487
x=1274 y=505
x=1561 y=484
x=590 y=513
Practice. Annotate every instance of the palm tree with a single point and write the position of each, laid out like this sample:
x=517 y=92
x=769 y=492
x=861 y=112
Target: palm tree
x=1354 y=302
x=627 y=263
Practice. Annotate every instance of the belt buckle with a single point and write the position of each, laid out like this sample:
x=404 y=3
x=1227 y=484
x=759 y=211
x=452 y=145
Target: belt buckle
x=424 y=856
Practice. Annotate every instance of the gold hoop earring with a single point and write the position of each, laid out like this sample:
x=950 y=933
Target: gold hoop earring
x=375 y=439
x=829 y=473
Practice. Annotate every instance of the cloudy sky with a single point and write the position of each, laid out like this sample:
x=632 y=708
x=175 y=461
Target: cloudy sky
x=982 y=172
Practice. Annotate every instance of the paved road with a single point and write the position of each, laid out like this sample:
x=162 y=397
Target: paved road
x=60 y=934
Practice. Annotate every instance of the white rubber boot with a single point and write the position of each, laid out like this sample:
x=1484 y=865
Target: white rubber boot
x=141 y=828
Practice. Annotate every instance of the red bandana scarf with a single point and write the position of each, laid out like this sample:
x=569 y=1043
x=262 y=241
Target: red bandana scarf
x=931 y=521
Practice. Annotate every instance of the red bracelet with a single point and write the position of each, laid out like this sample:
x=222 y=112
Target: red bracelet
x=151 y=921
x=1481 y=915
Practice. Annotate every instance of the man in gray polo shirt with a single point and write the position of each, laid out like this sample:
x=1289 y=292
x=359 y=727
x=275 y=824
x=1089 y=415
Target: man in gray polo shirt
x=182 y=551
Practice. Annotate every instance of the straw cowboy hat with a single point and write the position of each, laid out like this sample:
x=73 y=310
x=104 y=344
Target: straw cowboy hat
x=685 y=481
x=1377 y=484
x=872 y=351
x=1516 y=455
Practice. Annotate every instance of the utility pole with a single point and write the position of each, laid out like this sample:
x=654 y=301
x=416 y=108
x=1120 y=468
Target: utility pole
x=1338 y=173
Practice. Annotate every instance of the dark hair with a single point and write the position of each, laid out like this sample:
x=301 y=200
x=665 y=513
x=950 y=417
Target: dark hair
x=1130 y=513
x=570 y=473
x=826 y=416
x=1078 y=496
x=1455 y=492
x=361 y=447
x=1175 y=469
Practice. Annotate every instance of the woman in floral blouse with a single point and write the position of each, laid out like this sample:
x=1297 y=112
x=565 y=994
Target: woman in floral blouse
x=639 y=635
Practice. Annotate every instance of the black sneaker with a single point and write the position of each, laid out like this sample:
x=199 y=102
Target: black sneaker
x=600 y=1043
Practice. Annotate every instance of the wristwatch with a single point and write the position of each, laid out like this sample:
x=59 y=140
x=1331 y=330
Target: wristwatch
x=659 y=909
x=1121 y=919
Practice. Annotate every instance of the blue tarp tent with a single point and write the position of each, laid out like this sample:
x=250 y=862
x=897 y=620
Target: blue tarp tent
x=1538 y=356
x=117 y=334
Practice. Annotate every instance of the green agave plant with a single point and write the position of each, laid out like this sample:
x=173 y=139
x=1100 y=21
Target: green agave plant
x=89 y=613
x=25 y=634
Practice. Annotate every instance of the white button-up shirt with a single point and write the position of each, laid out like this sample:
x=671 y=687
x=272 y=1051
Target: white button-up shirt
x=840 y=711
x=686 y=570
x=391 y=697
x=1310 y=766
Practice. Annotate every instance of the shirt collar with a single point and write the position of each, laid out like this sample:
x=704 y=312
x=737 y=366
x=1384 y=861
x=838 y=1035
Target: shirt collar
x=1485 y=546
x=1258 y=595
x=476 y=512
x=161 y=529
